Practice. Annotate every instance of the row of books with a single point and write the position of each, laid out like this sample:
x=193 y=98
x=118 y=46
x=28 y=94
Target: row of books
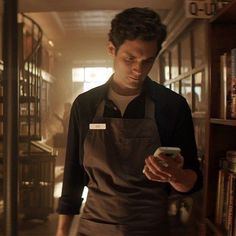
x=221 y=3
x=228 y=85
x=226 y=194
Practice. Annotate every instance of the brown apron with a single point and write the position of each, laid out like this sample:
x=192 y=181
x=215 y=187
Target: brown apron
x=121 y=201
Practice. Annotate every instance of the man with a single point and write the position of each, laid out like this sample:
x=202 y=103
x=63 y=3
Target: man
x=114 y=131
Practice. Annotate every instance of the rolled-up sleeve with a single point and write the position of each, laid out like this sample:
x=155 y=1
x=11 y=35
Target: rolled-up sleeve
x=73 y=181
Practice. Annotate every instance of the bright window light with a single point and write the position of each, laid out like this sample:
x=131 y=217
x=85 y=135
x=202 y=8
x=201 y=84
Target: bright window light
x=85 y=194
x=78 y=74
x=91 y=76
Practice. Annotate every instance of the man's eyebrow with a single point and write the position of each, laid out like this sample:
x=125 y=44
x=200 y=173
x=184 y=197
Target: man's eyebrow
x=146 y=59
x=150 y=58
x=129 y=54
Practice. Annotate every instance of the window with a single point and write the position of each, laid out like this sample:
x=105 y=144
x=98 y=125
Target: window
x=183 y=69
x=185 y=60
x=186 y=89
x=91 y=77
x=165 y=60
x=174 y=61
x=200 y=91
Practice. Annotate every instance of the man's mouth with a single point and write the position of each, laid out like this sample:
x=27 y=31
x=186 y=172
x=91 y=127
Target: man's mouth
x=134 y=78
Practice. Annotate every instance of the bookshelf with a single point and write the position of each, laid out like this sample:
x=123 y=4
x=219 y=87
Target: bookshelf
x=220 y=132
x=184 y=69
x=191 y=64
x=36 y=159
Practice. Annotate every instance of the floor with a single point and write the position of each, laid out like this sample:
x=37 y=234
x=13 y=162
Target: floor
x=43 y=228
x=38 y=227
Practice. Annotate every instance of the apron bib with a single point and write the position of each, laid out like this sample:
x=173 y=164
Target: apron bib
x=121 y=201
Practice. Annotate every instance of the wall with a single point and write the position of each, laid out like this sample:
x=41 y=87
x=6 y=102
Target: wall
x=86 y=52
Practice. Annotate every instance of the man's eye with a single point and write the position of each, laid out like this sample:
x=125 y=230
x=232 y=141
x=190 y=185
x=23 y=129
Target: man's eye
x=129 y=59
x=149 y=61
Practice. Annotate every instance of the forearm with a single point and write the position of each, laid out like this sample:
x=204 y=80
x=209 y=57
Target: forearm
x=64 y=223
x=184 y=180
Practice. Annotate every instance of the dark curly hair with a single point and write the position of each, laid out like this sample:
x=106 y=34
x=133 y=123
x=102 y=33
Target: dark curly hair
x=137 y=23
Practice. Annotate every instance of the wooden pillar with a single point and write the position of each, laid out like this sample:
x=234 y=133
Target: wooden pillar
x=10 y=116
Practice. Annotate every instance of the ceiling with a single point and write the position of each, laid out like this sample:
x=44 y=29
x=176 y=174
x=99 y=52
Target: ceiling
x=76 y=5
x=72 y=20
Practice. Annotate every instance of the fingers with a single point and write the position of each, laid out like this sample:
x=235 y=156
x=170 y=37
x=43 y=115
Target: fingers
x=154 y=177
x=162 y=168
x=156 y=170
x=156 y=165
x=179 y=160
x=173 y=162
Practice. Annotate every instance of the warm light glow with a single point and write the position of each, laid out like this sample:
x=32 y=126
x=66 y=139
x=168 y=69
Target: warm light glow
x=58 y=189
x=50 y=42
x=85 y=194
x=91 y=76
x=78 y=74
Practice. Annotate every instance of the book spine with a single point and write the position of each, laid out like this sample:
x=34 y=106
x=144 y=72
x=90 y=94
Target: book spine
x=233 y=83
x=220 y=200
x=223 y=67
x=234 y=212
x=230 y=209
x=225 y=85
x=225 y=200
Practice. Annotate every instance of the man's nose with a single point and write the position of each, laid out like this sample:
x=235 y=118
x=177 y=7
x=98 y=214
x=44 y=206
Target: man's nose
x=137 y=68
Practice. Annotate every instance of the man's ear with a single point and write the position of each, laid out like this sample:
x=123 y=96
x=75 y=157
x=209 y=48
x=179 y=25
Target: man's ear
x=111 y=48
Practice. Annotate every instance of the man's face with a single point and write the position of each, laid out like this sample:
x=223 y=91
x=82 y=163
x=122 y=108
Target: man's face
x=132 y=62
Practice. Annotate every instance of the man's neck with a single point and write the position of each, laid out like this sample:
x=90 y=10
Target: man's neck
x=119 y=89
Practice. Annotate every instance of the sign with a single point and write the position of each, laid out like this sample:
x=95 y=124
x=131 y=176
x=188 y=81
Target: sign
x=200 y=9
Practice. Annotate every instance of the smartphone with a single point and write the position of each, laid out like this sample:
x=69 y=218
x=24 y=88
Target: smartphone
x=168 y=151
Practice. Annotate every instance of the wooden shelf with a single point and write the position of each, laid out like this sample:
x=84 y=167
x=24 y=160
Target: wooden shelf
x=199 y=115
x=26 y=99
x=26 y=138
x=29 y=117
x=226 y=15
x=221 y=133
x=223 y=122
x=214 y=136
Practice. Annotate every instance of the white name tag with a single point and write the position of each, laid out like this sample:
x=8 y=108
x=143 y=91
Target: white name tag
x=97 y=126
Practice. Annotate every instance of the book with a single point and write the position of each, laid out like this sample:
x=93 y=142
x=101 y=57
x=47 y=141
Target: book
x=222 y=3
x=225 y=215
x=233 y=83
x=233 y=227
x=225 y=85
x=225 y=200
x=220 y=197
x=231 y=200
x=231 y=160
